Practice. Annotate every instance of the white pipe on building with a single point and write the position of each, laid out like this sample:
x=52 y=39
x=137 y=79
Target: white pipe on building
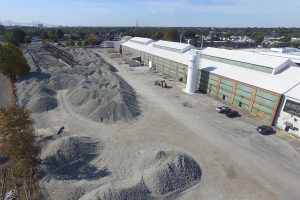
x=192 y=75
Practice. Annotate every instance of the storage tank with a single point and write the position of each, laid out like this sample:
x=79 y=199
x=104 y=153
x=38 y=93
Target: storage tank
x=192 y=74
x=150 y=64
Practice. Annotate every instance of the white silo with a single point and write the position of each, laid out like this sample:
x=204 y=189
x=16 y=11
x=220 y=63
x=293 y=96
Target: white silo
x=150 y=64
x=192 y=74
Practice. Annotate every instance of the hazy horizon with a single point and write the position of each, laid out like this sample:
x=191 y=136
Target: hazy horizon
x=152 y=13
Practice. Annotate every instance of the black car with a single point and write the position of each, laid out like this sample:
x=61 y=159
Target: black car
x=232 y=114
x=223 y=109
x=265 y=130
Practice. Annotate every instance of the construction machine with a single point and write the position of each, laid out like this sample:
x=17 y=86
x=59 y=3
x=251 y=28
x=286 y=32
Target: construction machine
x=162 y=83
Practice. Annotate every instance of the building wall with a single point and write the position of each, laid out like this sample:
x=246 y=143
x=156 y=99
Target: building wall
x=257 y=101
x=169 y=68
x=286 y=117
x=117 y=46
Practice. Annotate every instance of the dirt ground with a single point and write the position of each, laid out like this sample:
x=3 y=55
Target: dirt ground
x=6 y=95
x=235 y=161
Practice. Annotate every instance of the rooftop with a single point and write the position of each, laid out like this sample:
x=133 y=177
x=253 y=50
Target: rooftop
x=125 y=38
x=182 y=58
x=279 y=83
x=140 y=40
x=294 y=92
x=294 y=58
x=173 y=46
x=246 y=57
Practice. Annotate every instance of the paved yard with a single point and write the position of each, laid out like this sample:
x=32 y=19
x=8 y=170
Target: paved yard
x=273 y=162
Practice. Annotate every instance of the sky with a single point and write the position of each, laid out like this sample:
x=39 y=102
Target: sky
x=173 y=13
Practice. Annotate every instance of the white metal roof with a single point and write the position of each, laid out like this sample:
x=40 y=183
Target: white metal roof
x=294 y=92
x=294 y=58
x=279 y=83
x=246 y=57
x=126 y=38
x=181 y=47
x=145 y=41
x=182 y=58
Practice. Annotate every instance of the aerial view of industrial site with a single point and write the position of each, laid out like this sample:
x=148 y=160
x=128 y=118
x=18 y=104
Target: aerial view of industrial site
x=149 y=100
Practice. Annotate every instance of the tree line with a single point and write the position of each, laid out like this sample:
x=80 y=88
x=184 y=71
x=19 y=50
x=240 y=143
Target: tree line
x=12 y=62
x=92 y=35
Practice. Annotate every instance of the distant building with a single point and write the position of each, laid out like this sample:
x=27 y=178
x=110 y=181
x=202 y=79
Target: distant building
x=107 y=44
x=40 y=26
x=117 y=45
x=295 y=41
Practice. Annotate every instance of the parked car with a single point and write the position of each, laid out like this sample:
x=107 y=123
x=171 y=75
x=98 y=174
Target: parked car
x=265 y=130
x=232 y=114
x=223 y=109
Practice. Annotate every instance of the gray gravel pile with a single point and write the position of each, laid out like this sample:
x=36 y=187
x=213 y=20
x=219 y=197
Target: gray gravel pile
x=85 y=56
x=62 y=82
x=40 y=104
x=119 y=191
x=35 y=95
x=104 y=97
x=163 y=175
x=93 y=88
x=69 y=157
x=170 y=171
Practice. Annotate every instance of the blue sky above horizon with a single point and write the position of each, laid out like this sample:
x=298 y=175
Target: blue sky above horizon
x=202 y=13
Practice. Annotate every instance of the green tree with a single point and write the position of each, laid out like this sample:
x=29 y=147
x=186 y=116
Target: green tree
x=2 y=29
x=15 y=36
x=92 y=40
x=158 y=35
x=171 y=34
x=69 y=42
x=52 y=34
x=189 y=34
x=59 y=34
x=258 y=36
x=45 y=35
x=286 y=38
x=12 y=62
x=138 y=33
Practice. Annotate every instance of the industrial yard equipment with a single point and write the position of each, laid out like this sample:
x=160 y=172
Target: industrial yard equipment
x=162 y=83
x=60 y=54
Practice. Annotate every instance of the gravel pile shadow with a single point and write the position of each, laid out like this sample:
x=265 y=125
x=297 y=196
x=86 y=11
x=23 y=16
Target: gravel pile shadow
x=164 y=175
x=68 y=158
x=104 y=97
x=119 y=191
x=3 y=159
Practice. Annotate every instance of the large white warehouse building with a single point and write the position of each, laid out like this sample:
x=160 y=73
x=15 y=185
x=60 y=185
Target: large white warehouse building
x=264 y=85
